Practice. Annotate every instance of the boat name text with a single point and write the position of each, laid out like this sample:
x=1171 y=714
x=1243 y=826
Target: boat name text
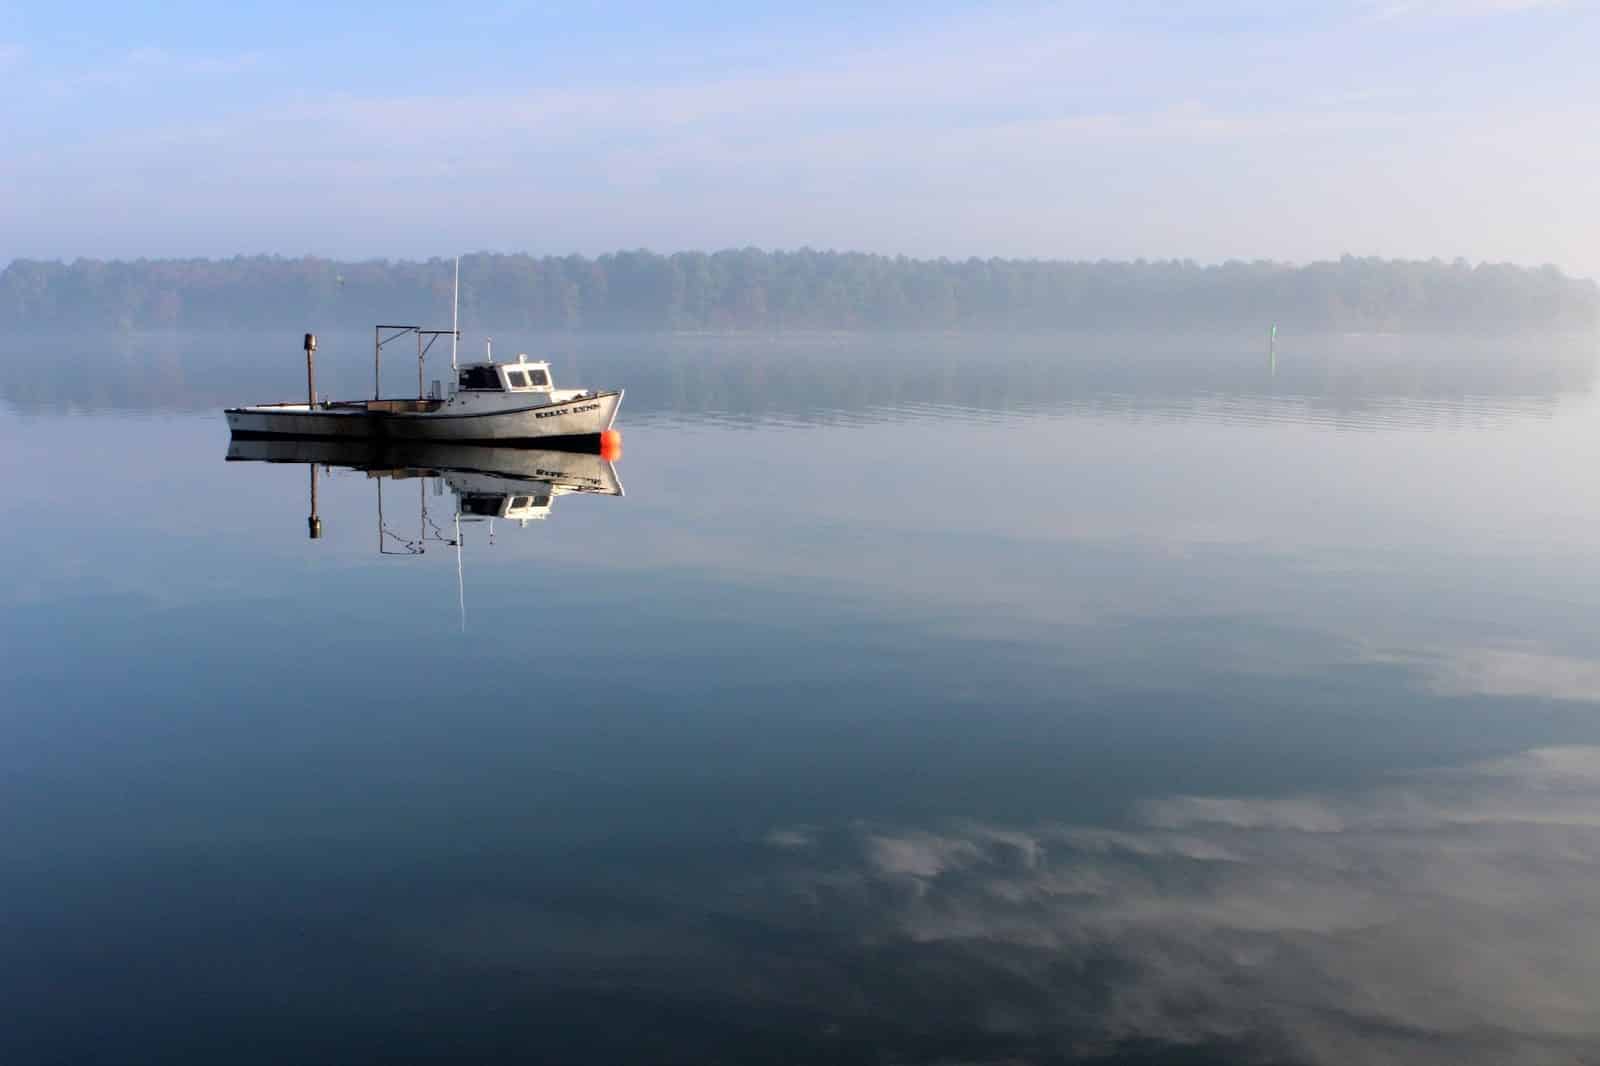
x=569 y=411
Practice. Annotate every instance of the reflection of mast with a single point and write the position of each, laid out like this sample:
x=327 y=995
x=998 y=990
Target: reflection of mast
x=313 y=523
x=461 y=587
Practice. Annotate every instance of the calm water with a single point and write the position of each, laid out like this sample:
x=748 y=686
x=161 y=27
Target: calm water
x=920 y=701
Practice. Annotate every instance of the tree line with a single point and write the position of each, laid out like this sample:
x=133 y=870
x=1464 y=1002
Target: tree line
x=751 y=289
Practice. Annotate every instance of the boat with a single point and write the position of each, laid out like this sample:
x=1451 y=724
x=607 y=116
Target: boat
x=486 y=401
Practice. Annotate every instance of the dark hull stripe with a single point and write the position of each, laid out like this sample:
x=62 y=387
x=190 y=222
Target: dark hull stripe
x=565 y=442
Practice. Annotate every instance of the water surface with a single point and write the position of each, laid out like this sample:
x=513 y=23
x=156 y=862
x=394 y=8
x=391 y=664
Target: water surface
x=922 y=700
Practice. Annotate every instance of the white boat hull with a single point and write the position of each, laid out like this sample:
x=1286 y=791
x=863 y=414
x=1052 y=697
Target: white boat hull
x=577 y=417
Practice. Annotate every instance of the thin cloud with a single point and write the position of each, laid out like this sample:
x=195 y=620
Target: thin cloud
x=1428 y=920
x=1441 y=917
x=1398 y=9
x=1507 y=672
x=145 y=66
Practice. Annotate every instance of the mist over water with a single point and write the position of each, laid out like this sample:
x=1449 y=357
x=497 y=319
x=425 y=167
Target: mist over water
x=824 y=376
x=1114 y=697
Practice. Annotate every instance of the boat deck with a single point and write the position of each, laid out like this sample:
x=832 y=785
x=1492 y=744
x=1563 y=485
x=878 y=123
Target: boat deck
x=349 y=407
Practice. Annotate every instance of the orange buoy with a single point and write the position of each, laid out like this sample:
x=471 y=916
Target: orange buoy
x=611 y=445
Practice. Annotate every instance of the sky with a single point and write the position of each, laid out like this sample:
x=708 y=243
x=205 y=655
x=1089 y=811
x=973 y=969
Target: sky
x=1286 y=130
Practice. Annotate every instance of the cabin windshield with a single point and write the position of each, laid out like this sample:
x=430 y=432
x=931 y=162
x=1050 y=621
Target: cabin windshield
x=538 y=379
x=482 y=505
x=480 y=379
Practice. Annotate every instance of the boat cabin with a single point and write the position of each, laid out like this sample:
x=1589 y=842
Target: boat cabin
x=505 y=377
x=491 y=386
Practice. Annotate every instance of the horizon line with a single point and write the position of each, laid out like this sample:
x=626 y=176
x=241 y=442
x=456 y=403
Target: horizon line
x=807 y=249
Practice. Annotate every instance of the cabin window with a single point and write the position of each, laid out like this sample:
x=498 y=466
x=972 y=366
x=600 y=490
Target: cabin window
x=517 y=378
x=481 y=505
x=518 y=502
x=540 y=501
x=538 y=379
x=480 y=379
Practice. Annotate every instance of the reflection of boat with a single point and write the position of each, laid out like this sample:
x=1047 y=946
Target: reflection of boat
x=487 y=482
x=483 y=468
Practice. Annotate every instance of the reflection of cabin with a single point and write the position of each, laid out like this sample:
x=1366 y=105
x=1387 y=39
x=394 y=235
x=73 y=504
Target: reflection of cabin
x=490 y=505
x=493 y=496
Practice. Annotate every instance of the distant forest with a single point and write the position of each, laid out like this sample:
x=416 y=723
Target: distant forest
x=751 y=289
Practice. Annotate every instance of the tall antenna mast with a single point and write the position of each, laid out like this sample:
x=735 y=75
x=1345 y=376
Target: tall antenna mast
x=455 y=314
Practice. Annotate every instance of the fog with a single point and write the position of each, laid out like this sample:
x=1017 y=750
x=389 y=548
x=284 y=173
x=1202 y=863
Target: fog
x=818 y=378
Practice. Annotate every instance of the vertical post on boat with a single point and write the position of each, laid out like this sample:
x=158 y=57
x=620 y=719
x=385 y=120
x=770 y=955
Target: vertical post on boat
x=379 y=482
x=314 y=524
x=419 y=364
x=455 y=314
x=311 y=373
x=377 y=357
